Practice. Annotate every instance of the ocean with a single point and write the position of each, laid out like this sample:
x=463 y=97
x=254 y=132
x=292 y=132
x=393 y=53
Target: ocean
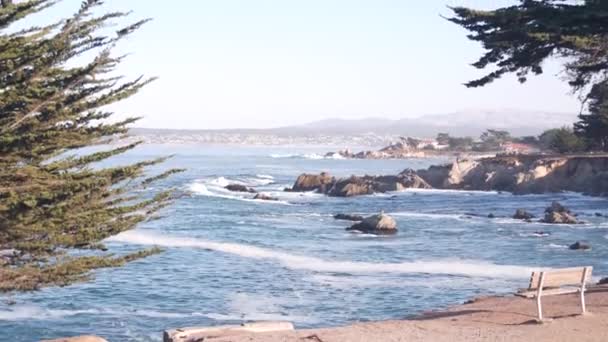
x=229 y=258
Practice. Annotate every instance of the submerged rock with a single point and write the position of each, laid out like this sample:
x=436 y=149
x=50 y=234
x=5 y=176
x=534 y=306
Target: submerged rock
x=380 y=224
x=265 y=197
x=522 y=214
x=579 y=245
x=599 y=215
x=239 y=188
x=603 y=281
x=558 y=214
x=349 y=217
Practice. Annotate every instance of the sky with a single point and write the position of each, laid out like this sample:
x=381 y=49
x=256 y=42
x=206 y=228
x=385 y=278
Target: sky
x=269 y=63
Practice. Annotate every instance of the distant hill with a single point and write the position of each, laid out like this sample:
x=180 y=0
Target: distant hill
x=470 y=123
x=463 y=123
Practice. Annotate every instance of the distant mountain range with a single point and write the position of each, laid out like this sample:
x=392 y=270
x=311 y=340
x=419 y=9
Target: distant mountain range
x=464 y=123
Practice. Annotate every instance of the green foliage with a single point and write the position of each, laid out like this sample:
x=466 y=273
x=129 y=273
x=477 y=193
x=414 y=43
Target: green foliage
x=52 y=200
x=519 y=38
x=562 y=140
x=594 y=126
x=460 y=143
x=492 y=140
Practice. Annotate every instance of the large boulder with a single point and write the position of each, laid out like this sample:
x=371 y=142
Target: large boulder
x=376 y=224
x=349 y=217
x=558 y=214
x=522 y=214
x=239 y=188
x=308 y=182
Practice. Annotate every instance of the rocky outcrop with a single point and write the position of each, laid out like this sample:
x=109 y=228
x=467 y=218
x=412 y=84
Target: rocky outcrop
x=349 y=217
x=522 y=214
x=405 y=148
x=558 y=214
x=356 y=185
x=307 y=182
x=239 y=188
x=380 y=224
x=519 y=174
x=523 y=174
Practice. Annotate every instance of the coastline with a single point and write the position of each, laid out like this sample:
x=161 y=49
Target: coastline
x=496 y=318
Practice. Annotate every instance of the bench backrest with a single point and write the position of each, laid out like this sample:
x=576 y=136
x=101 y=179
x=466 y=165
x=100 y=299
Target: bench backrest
x=561 y=277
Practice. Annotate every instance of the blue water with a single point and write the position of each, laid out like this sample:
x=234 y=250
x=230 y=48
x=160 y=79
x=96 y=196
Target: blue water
x=230 y=259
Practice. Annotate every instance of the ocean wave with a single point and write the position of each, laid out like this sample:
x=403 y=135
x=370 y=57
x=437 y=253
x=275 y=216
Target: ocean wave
x=32 y=312
x=471 y=268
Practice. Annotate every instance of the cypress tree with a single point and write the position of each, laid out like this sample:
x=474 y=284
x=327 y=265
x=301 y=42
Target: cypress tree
x=518 y=39
x=55 y=198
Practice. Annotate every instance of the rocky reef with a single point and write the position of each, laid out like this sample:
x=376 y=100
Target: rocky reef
x=519 y=174
x=358 y=185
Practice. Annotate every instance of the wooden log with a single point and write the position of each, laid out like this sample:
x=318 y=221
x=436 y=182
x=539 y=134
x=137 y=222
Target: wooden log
x=194 y=334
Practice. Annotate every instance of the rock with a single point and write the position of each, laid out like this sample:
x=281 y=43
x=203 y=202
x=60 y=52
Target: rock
x=78 y=339
x=307 y=182
x=491 y=216
x=376 y=224
x=348 y=217
x=522 y=214
x=599 y=215
x=603 y=281
x=558 y=214
x=265 y=197
x=239 y=188
x=580 y=246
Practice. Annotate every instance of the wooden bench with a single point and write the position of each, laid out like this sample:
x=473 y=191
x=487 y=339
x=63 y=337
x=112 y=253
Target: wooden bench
x=557 y=282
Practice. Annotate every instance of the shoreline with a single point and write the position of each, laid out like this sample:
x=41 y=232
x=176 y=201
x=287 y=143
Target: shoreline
x=491 y=318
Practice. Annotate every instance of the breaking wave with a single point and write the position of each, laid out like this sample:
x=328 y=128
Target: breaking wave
x=470 y=268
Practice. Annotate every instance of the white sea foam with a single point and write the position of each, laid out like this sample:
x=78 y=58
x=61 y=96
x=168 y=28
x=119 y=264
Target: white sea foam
x=447 y=267
x=243 y=306
x=265 y=176
x=448 y=191
x=201 y=189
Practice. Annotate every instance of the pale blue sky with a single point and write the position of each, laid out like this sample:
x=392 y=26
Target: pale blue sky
x=263 y=63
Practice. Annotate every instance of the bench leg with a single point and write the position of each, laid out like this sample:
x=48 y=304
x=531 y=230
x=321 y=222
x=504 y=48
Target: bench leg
x=583 y=308
x=539 y=308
